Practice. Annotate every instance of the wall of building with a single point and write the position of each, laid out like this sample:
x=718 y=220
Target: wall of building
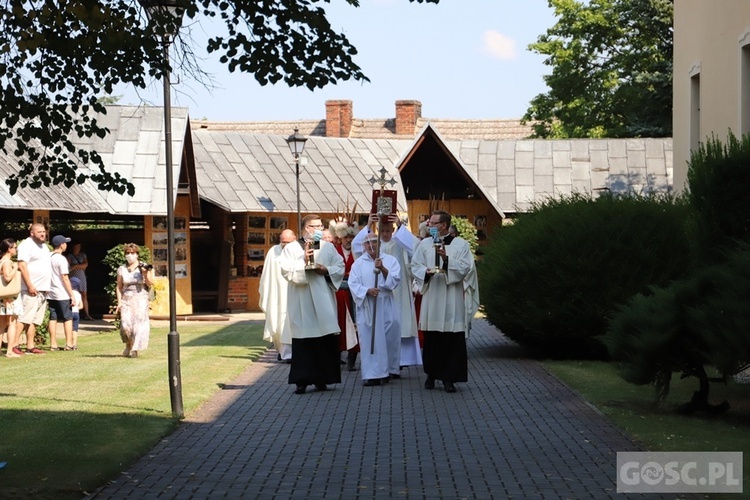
x=155 y=236
x=479 y=212
x=708 y=39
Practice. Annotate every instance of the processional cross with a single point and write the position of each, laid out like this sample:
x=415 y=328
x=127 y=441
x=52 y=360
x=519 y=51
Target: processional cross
x=384 y=205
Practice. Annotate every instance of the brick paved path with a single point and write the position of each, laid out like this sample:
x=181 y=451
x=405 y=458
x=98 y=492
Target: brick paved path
x=512 y=431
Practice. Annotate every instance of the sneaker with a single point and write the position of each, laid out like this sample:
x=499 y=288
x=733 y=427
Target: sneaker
x=34 y=350
x=17 y=350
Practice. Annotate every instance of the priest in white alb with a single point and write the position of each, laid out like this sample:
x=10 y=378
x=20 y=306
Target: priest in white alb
x=399 y=244
x=272 y=290
x=441 y=266
x=313 y=274
x=372 y=281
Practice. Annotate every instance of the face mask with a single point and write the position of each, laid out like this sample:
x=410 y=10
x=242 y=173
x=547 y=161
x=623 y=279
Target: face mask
x=434 y=232
x=317 y=235
x=131 y=257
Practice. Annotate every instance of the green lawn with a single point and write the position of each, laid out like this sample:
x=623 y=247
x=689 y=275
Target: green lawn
x=659 y=427
x=73 y=420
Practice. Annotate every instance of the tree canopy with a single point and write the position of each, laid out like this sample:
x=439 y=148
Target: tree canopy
x=57 y=56
x=611 y=70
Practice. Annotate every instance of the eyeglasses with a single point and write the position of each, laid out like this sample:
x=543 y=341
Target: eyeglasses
x=315 y=226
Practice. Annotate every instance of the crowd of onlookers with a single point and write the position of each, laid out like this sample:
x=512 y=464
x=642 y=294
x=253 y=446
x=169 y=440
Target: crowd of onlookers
x=43 y=283
x=38 y=277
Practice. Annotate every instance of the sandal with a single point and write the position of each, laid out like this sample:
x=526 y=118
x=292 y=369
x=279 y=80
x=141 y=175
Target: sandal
x=70 y=348
x=55 y=348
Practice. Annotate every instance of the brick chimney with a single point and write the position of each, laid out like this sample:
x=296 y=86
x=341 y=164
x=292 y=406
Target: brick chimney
x=339 y=117
x=407 y=114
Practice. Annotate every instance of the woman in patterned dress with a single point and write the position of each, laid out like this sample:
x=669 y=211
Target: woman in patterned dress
x=10 y=309
x=133 y=283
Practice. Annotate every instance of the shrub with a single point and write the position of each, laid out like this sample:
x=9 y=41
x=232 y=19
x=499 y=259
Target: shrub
x=718 y=179
x=701 y=320
x=552 y=280
x=467 y=231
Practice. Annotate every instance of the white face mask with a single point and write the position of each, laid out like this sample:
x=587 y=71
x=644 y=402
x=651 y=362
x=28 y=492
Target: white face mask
x=131 y=257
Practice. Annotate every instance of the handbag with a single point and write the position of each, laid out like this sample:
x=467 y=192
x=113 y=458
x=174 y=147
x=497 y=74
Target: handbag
x=10 y=290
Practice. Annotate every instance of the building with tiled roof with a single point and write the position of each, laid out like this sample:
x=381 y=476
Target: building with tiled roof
x=408 y=122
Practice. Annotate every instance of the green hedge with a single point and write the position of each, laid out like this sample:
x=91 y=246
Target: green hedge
x=553 y=279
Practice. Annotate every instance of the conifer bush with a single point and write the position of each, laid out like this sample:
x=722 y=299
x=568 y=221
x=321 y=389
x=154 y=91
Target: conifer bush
x=553 y=279
x=698 y=321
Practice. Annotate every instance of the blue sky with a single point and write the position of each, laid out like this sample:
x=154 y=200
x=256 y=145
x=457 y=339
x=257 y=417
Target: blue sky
x=459 y=58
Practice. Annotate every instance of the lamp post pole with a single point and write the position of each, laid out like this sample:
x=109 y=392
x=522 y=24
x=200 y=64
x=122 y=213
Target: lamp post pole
x=160 y=9
x=296 y=146
x=173 y=337
x=299 y=215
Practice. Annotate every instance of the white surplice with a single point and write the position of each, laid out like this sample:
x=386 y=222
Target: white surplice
x=273 y=302
x=377 y=363
x=443 y=303
x=311 y=301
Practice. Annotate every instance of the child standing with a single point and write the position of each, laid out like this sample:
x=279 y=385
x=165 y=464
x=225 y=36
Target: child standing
x=76 y=306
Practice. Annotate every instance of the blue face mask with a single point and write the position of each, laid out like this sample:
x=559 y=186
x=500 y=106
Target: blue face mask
x=434 y=232
x=317 y=235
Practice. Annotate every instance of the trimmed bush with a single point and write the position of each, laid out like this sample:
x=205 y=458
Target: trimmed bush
x=718 y=180
x=553 y=279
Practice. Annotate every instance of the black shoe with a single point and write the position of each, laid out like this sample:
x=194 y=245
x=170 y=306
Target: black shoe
x=278 y=357
x=449 y=387
x=429 y=383
x=372 y=382
x=385 y=379
x=300 y=389
x=351 y=358
x=321 y=387
x=395 y=375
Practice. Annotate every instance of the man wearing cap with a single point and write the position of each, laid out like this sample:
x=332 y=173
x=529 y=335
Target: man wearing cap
x=60 y=297
x=372 y=281
x=403 y=351
x=36 y=273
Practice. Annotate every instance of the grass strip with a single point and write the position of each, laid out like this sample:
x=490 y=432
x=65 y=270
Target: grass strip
x=658 y=427
x=74 y=419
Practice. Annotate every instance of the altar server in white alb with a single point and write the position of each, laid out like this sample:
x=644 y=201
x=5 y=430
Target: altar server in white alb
x=273 y=290
x=373 y=294
x=313 y=274
x=442 y=264
x=400 y=244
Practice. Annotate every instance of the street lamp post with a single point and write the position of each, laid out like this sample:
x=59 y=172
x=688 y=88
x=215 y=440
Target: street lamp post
x=160 y=9
x=296 y=146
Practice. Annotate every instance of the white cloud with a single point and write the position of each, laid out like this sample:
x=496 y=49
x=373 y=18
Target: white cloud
x=498 y=46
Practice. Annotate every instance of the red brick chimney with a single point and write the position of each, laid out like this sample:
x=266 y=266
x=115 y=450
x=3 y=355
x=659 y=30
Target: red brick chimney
x=407 y=114
x=339 y=117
